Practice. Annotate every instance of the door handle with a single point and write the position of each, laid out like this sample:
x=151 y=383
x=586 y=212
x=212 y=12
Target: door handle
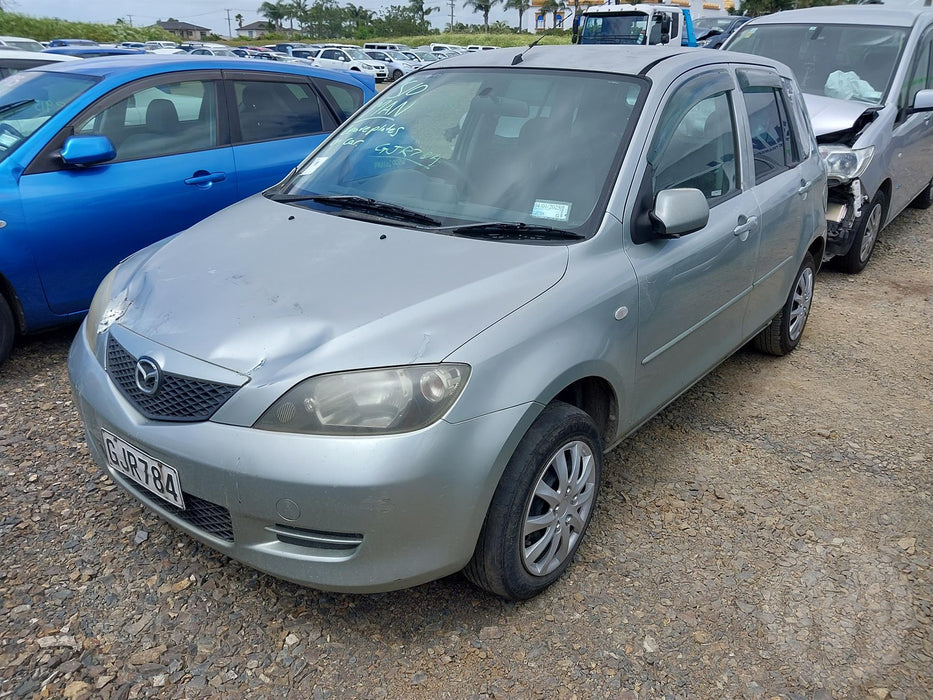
x=202 y=177
x=804 y=186
x=750 y=224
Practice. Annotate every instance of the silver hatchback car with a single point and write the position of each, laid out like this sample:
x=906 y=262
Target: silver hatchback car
x=867 y=77
x=408 y=357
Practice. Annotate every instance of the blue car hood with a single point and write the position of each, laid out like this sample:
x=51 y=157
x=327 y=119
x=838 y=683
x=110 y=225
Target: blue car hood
x=273 y=291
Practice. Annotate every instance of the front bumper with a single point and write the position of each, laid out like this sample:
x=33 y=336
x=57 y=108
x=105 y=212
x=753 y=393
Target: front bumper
x=845 y=205
x=354 y=514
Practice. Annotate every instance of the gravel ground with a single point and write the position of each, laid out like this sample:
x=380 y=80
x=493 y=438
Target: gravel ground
x=769 y=535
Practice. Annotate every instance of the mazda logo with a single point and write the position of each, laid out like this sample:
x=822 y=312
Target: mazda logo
x=148 y=376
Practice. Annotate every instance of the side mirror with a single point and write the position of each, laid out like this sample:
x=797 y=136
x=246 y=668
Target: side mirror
x=679 y=211
x=923 y=101
x=575 y=30
x=88 y=150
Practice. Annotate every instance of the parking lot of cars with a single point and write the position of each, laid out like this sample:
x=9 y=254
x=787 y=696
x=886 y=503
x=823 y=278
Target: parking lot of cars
x=228 y=376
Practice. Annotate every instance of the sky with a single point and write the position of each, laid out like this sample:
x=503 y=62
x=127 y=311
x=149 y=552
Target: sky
x=212 y=13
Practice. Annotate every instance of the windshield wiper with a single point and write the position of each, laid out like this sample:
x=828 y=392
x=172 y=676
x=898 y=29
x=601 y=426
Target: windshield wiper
x=367 y=204
x=15 y=105
x=514 y=229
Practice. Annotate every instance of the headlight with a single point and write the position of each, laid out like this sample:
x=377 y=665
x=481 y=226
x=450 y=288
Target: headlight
x=367 y=66
x=104 y=310
x=844 y=163
x=368 y=402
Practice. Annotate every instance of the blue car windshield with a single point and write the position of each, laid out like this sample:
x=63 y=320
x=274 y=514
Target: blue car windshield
x=29 y=99
x=530 y=147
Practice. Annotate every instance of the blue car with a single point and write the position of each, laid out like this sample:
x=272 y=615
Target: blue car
x=94 y=51
x=102 y=157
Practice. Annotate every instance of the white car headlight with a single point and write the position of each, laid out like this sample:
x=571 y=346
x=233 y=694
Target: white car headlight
x=368 y=66
x=368 y=402
x=843 y=163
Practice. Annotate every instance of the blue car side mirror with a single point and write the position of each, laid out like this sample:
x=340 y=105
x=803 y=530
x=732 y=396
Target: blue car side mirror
x=88 y=150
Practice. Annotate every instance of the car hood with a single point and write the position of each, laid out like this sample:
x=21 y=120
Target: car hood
x=830 y=114
x=270 y=290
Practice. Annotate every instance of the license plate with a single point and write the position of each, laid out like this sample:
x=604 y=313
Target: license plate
x=145 y=470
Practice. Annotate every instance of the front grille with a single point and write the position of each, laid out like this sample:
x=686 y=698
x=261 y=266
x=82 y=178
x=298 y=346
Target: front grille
x=177 y=399
x=199 y=513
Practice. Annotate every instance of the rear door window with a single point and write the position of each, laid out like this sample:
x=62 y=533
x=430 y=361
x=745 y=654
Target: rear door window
x=269 y=110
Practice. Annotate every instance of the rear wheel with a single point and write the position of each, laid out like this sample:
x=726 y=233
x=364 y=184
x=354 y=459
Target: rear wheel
x=784 y=332
x=542 y=506
x=865 y=237
x=7 y=330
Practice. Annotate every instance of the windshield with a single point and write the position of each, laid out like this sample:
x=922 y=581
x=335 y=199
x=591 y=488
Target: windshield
x=614 y=29
x=358 y=55
x=705 y=24
x=398 y=55
x=29 y=99
x=850 y=62
x=475 y=146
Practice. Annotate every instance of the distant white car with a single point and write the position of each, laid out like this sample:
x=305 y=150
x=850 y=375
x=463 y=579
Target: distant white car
x=212 y=51
x=351 y=59
x=13 y=60
x=397 y=63
x=22 y=43
x=152 y=45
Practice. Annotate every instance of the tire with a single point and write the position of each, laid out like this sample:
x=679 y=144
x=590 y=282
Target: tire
x=7 y=330
x=784 y=332
x=563 y=442
x=924 y=199
x=865 y=238
x=396 y=74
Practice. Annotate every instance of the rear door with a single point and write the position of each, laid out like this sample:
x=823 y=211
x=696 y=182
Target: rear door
x=173 y=168
x=693 y=290
x=789 y=185
x=912 y=140
x=277 y=120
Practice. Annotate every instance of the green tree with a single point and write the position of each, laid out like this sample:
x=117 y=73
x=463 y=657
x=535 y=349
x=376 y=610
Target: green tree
x=521 y=6
x=549 y=7
x=358 y=20
x=419 y=9
x=484 y=6
x=753 y=8
x=274 y=12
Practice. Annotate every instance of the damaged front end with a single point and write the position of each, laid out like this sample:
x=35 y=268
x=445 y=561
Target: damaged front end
x=847 y=195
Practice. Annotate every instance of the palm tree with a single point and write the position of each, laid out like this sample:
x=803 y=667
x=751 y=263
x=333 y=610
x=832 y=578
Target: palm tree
x=549 y=7
x=520 y=5
x=239 y=19
x=274 y=12
x=484 y=6
x=420 y=11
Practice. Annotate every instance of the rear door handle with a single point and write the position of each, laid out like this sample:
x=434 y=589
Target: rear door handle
x=750 y=224
x=202 y=177
x=804 y=186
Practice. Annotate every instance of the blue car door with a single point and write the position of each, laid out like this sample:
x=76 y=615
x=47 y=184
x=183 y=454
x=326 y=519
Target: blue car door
x=173 y=167
x=275 y=122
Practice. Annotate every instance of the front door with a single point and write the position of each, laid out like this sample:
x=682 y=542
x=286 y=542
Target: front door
x=171 y=170
x=693 y=290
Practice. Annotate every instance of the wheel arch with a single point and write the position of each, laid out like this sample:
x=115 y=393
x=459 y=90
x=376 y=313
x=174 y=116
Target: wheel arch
x=9 y=294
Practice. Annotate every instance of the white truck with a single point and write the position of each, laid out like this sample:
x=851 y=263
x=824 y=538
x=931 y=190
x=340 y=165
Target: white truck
x=642 y=23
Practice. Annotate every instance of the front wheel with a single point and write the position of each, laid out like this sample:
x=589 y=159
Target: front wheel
x=866 y=236
x=784 y=332
x=396 y=74
x=542 y=506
